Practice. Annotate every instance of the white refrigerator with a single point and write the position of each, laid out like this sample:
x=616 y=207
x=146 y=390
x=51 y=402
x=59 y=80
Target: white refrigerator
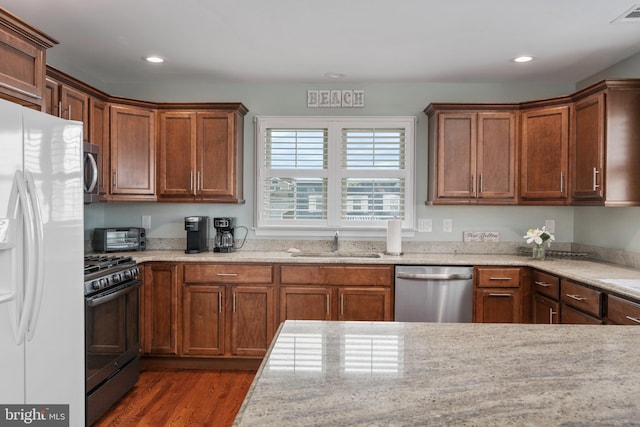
x=41 y=261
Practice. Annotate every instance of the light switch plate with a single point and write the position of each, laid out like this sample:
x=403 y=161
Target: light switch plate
x=447 y=225
x=146 y=221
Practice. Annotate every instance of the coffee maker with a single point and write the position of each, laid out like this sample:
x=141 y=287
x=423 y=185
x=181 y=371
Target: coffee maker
x=197 y=234
x=224 y=240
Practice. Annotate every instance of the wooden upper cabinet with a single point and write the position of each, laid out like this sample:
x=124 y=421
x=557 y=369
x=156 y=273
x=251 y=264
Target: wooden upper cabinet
x=176 y=155
x=587 y=148
x=200 y=155
x=472 y=155
x=132 y=153
x=99 y=135
x=74 y=105
x=605 y=154
x=22 y=67
x=544 y=177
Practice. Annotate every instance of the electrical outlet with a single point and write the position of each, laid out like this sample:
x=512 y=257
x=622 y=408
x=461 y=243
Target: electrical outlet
x=447 y=225
x=550 y=225
x=425 y=225
x=146 y=222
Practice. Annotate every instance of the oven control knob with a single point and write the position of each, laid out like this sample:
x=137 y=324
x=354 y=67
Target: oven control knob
x=95 y=285
x=127 y=275
x=116 y=277
x=104 y=282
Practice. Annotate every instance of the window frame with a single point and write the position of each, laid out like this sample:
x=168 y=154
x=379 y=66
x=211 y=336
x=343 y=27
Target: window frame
x=333 y=222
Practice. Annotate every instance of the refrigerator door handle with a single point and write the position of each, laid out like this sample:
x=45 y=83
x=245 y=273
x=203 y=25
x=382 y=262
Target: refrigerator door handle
x=22 y=305
x=38 y=227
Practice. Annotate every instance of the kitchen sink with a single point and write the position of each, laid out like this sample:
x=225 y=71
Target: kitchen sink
x=336 y=254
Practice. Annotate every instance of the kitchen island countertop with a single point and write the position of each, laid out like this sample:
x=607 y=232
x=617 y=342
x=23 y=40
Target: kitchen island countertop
x=403 y=374
x=608 y=277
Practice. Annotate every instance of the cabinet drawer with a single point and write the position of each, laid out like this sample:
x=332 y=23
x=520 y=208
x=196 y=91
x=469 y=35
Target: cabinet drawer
x=546 y=284
x=585 y=299
x=623 y=312
x=498 y=277
x=227 y=273
x=569 y=315
x=351 y=275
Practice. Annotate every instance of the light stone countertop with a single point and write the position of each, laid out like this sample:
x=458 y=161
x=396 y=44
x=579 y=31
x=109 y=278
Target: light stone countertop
x=416 y=374
x=608 y=277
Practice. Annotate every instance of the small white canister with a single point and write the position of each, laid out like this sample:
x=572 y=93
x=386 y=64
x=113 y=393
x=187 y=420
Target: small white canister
x=394 y=237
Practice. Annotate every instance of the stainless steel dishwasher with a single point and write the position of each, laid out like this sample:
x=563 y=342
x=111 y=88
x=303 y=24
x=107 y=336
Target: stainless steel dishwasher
x=433 y=293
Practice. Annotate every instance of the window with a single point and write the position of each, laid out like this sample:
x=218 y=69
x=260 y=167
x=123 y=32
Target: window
x=318 y=173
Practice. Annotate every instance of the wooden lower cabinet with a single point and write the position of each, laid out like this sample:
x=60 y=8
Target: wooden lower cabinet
x=545 y=310
x=160 y=309
x=499 y=295
x=228 y=310
x=336 y=292
x=576 y=317
x=203 y=320
x=622 y=311
x=498 y=306
x=580 y=304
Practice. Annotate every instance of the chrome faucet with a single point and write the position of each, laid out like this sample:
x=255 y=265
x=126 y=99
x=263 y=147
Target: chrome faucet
x=336 y=241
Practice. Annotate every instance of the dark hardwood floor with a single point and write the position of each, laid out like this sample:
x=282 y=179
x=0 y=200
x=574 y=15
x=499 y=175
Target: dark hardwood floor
x=181 y=398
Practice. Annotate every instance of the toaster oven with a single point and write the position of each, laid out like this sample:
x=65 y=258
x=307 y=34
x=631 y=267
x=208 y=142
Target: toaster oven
x=119 y=239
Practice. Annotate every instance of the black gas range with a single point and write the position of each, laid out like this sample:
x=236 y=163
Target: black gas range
x=112 y=345
x=107 y=271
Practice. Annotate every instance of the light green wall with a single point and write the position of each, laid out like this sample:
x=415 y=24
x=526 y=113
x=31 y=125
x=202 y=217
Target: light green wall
x=380 y=99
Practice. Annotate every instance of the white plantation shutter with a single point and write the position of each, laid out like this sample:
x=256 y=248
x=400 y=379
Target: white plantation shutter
x=334 y=172
x=373 y=169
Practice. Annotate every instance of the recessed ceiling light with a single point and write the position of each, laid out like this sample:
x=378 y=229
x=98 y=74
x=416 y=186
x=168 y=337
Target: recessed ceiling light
x=523 y=58
x=334 y=75
x=154 y=59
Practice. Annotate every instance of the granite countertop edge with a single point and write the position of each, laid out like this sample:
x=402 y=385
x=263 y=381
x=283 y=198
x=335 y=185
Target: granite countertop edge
x=590 y=272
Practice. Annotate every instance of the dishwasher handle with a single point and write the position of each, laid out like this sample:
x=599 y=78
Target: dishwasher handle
x=434 y=276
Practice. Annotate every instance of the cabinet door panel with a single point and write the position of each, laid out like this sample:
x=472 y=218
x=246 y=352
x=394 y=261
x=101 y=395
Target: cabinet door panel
x=203 y=320
x=588 y=148
x=216 y=157
x=622 y=312
x=545 y=310
x=99 y=135
x=75 y=106
x=498 y=306
x=176 y=158
x=132 y=151
x=545 y=148
x=161 y=309
x=305 y=303
x=370 y=304
x=496 y=156
x=252 y=320
x=456 y=155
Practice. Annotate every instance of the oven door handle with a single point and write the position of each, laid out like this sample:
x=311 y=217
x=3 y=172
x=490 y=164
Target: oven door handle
x=93 y=302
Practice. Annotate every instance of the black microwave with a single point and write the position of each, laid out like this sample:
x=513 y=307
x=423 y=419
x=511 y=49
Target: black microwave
x=119 y=239
x=91 y=173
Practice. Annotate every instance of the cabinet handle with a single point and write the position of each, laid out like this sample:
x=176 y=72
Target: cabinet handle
x=500 y=278
x=633 y=319
x=551 y=314
x=481 y=185
x=219 y=302
x=114 y=182
x=227 y=274
x=543 y=284
x=576 y=297
x=234 y=302
x=473 y=184
x=561 y=181
x=342 y=305
x=328 y=302
x=60 y=109
x=500 y=295
x=69 y=110
x=191 y=181
x=595 y=178
x=198 y=183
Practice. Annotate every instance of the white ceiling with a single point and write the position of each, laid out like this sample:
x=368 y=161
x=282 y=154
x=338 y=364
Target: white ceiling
x=302 y=40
